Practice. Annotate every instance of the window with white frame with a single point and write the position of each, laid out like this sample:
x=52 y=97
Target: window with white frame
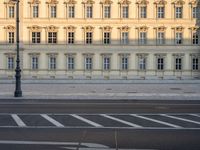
x=125 y=11
x=161 y=12
x=107 y=11
x=70 y=37
x=70 y=63
x=10 y=62
x=89 y=11
x=71 y=11
x=179 y=12
x=35 y=37
x=106 y=63
x=178 y=63
x=179 y=38
x=142 y=38
x=195 y=63
x=124 y=62
x=125 y=38
x=143 y=12
x=89 y=37
x=11 y=12
x=142 y=63
x=195 y=38
x=106 y=37
x=53 y=11
x=88 y=63
x=160 y=63
x=11 y=37
x=160 y=38
x=52 y=62
x=34 y=62
x=52 y=37
x=35 y=11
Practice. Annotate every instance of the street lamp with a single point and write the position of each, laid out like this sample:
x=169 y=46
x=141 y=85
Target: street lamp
x=18 y=91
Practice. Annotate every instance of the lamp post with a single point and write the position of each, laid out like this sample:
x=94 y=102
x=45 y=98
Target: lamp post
x=18 y=91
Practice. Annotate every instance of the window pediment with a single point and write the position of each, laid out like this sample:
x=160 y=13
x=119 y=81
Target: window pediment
x=160 y=2
x=142 y=2
x=161 y=28
x=89 y=2
x=35 y=28
x=194 y=3
x=106 y=29
x=178 y=2
x=124 y=29
x=52 y=28
x=88 y=28
x=10 y=2
x=195 y=28
x=10 y=28
x=125 y=2
x=178 y=29
x=142 y=28
x=70 y=2
x=34 y=2
x=106 y=2
x=70 y=28
x=52 y=2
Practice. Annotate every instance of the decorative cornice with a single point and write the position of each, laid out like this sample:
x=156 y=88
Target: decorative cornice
x=70 y=54
x=71 y=2
x=106 y=2
x=34 y=54
x=52 y=54
x=70 y=28
x=142 y=2
x=142 y=55
x=52 y=2
x=88 y=28
x=88 y=2
x=35 y=28
x=34 y=2
x=160 y=28
x=10 y=54
x=197 y=55
x=142 y=28
x=158 y=55
x=194 y=3
x=106 y=28
x=52 y=28
x=124 y=54
x=124 y=29
x=88 y=54
x=178 y=55
x=125 y=2
x=178 y=2
x=10 y=28
x=178 y=29
x=160 y=2
x=10 y=2
x=195 y=28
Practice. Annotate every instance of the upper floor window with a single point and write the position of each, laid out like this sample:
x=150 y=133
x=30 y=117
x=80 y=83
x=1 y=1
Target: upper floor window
x=160 y=38
x=125 y=38
x=179 y=38
x=125 y=11
x=142 y=38
x=88 y=63
x=70 y=37
x=11 y=37
x=179 y=12
x=11 y=11
x=106 y=39
x=89 y=37
x=195 y=12
x=107 y=11
x=71 y=11
x=35 y=37
x=143 y=12
x=195 y=38
x=161 y=12
x=10 y=62
x=89 y=11
x=34 y=62
x=35 y=11
x=53 y=11
x=52 y=37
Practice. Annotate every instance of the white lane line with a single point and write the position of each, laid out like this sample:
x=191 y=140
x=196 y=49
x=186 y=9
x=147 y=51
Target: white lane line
x=122 y=121
x=18 y=120
x=182 y=119
x=86 y=120
x=157 y=121
x=195 y=115
x=53 y=121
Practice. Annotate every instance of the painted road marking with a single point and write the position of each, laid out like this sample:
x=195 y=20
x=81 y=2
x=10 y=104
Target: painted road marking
x=53 y=121
x=157 y=121
x=182 y=119
x=86 y=120
x=75 y=148
x=18 y=120
x=122 y=121
x=195 y=115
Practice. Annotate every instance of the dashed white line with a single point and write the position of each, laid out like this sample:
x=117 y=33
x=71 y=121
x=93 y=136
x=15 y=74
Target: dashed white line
x=157 y=121
x=18 y=120
x=86 y=120
x=53 y=121
x=122 y=121
x=182 y=119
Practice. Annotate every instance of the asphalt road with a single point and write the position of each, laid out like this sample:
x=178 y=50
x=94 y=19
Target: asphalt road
x=99 y=125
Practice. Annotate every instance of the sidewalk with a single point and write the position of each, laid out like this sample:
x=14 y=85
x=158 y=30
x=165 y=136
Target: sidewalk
x=136 y=91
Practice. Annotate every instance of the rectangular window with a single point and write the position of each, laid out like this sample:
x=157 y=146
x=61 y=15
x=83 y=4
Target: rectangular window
x=179 y=37
x=179 y=12
x=195 y=38
x=70 y=37
x=107 y=12
x=35 y=37
x=35 y=11
x=142 y=63
x=52 y=63
x=195 y=12
x=70 y=63
x=88 y=37
x=160 y=63
x=11 y=37
x=143 y=12
x=88 y=63
x=124 y=63
x=195 y=64
x=71 y=12
x=106 y=37
x=125 y=38
x=53 y=12
x=34 y=63
x=125 y=12
x=89 y=12
x=106 y=63
x=178 y=63
x=11 y=12
x=143 y=38
x=161 y=12
x=10 y=63
x=52 y=37
x=161 y=38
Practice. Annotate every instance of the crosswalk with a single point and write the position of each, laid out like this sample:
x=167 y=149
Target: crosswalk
x=125 y=121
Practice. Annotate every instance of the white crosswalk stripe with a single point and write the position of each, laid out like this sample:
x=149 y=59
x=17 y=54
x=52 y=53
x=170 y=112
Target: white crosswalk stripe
x=18 y=120
x=53 y=121
x=157 y=121
x=122 y=121
x=182 y=119
x=86 y=120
